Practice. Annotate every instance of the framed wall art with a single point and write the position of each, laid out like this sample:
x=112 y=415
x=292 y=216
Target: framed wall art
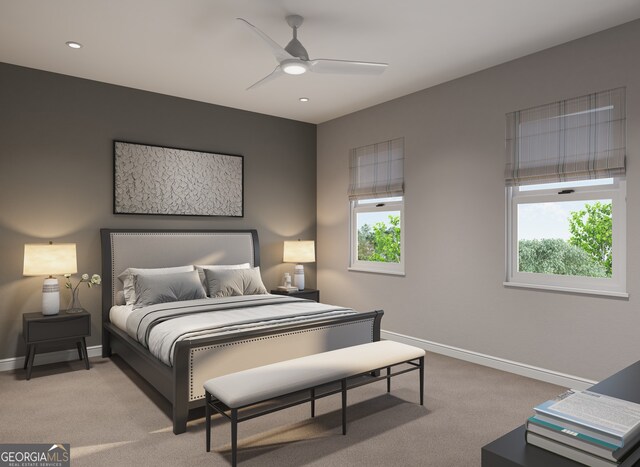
x=159 y=180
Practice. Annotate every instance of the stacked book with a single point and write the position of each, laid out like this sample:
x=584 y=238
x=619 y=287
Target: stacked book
x=589 y=428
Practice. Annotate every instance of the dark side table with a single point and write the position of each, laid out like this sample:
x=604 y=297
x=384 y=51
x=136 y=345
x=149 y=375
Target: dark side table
x=310 y=294
x=511 y=450
x=38 y=329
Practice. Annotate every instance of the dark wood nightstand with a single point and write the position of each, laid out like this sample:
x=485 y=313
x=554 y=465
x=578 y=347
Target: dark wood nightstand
x=39 y=329
x=310 y=294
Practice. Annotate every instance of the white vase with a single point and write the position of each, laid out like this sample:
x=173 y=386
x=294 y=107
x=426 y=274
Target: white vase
x=298 y=276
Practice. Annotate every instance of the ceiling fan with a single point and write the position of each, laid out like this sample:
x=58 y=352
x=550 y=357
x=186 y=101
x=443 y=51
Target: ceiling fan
x=294 y=59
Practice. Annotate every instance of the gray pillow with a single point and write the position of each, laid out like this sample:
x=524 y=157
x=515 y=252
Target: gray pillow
x=232 y=282
x=163 y=288
x=126 y=277
x=201 y=267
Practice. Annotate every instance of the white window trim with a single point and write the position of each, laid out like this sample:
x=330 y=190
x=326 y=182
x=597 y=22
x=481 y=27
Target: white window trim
x=355 y=264
x=614 y=286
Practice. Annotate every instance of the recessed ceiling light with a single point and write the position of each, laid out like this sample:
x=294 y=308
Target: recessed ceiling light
x=74 y=45
x=304 y=99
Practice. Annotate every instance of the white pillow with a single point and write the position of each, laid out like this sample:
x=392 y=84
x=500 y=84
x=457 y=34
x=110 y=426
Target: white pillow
x=120 y=298
x=217 y=267
x=126 y=277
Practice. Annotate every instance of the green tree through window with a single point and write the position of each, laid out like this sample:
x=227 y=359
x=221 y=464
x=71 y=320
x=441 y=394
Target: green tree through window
x=586 y=253
x=591 y=230
x=381 y=242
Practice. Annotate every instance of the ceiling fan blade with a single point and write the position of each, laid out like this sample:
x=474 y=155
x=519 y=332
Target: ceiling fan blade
x=346 y=67
x=278 y=51
x=277 y=71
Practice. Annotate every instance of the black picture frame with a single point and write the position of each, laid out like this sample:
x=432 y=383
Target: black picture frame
x=166 y=181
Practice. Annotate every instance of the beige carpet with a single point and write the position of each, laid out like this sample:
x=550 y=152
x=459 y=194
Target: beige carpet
x=113 y=418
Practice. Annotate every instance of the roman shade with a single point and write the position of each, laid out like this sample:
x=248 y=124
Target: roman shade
x=377 y=170
x=574 y=139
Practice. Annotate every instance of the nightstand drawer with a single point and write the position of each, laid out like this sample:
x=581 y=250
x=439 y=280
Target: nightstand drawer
x=71 y=326
x=309 y=294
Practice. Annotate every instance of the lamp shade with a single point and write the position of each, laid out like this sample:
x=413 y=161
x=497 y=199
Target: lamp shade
x=42 y=259
x=300 y=251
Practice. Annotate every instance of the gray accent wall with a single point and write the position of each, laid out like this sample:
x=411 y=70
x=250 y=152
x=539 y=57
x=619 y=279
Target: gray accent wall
x=56 y=177
x=452 y=293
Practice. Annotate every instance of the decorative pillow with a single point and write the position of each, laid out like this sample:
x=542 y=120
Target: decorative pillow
x=217 y=267
x=120 y=298
x=126 y=277
x=163 y=288
x=232 y=282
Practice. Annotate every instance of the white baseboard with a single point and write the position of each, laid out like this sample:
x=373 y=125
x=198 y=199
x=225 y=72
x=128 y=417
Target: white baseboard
x=49 y=357
x=522 y=369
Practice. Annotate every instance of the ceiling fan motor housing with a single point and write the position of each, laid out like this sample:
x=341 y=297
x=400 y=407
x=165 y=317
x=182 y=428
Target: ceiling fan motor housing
x=294 y=47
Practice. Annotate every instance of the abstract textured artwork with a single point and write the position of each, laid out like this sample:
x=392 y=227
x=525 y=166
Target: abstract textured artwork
x=167 y=181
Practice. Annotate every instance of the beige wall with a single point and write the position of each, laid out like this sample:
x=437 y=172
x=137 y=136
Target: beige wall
x=56 y=176
x=455 y=218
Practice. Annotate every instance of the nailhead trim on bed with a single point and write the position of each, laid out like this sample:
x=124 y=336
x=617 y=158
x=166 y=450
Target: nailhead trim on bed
x=229 y=344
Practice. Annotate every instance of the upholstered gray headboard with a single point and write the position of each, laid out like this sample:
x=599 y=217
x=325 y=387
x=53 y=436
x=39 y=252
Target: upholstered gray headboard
x=122 y=249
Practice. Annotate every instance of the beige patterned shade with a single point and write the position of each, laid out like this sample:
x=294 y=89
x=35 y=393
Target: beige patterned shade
x=42 y=259
x=575 y=139
x=377 y=170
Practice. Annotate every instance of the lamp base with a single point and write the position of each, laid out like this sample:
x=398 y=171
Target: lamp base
x=298 y=276
x=50 y=296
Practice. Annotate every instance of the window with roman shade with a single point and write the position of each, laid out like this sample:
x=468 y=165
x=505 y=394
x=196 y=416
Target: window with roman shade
x=377 y=170
x=376 y=196
x=574 y=139
x=566 y=195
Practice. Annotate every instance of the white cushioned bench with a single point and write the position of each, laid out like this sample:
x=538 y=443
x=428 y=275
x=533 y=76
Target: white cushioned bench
x=247 y=388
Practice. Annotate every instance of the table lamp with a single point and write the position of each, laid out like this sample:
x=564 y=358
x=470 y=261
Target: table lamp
x=42 y=259
x=301 y=251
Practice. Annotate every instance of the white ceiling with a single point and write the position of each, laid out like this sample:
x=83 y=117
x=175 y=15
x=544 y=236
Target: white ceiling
x=197 y=50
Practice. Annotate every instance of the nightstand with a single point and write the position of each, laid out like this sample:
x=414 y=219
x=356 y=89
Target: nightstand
x=39 y=329
x=310 y=294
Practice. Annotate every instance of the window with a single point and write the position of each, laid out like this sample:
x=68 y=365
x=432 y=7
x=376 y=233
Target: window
x=377 y=235
x=568 y=236
x=566 y=195
x=376 y=194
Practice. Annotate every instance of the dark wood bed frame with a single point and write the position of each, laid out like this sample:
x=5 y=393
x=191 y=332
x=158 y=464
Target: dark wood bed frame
x=173 y=382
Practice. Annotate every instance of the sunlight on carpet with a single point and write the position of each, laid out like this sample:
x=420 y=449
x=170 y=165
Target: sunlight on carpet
x=303 y=431
x=82 y=451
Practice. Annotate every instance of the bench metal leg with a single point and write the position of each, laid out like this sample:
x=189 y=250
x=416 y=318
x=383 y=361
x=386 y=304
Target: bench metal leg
x=388 y=379
x=344 y=406
x=313 y=402
x=234 y=437
x=207 y=417
x=421 y=380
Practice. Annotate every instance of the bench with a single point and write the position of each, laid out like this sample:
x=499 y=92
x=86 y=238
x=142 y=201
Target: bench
x=350 y=367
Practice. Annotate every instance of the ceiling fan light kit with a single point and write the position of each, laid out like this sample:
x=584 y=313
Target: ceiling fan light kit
x=294 y=67
x=294 y=59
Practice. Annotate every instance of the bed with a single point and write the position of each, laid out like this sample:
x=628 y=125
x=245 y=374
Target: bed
x=179 y=374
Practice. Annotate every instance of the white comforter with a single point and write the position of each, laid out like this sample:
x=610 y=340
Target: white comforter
x=160 y=327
